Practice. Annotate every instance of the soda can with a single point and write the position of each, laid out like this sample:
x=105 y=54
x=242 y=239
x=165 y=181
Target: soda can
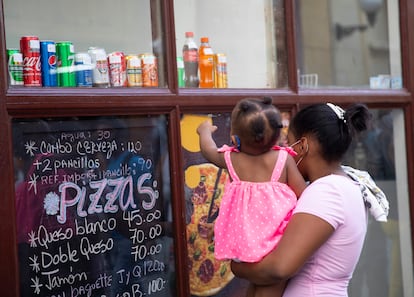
x=100 y=67
x=48 y=63
x=117 y=69
x=30 y=49
x=134 y=71
x=180 y=72
x=220 y=70
x=149 y=70
x=83 y=70
x=65 y=53
x=15 y=67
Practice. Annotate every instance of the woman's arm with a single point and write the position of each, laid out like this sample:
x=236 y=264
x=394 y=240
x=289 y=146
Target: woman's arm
x=304 y=234
x=208 y=146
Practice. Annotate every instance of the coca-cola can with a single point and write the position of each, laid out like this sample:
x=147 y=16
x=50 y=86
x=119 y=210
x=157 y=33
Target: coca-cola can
x=100 y=69
x=32 y=72
x=117 y=69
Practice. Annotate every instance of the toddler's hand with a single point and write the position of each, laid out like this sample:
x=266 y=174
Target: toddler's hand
x=206 y=126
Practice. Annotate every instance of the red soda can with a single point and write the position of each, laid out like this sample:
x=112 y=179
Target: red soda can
x=32 y=72
x=117 y=69
x=149 y=65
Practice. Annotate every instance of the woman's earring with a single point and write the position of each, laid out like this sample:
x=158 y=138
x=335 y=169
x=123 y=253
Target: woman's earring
x=235 y=140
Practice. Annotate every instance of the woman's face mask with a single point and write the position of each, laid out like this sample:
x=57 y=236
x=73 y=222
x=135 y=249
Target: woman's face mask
x=292 y=147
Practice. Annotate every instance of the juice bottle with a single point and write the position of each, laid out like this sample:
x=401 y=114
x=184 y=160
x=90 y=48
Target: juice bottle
x=206 y=64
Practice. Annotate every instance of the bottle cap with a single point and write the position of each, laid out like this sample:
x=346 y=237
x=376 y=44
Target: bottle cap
x=204 y=39
x=189 y=34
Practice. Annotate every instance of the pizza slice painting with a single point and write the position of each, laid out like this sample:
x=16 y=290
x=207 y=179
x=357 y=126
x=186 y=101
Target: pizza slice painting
x=207 y=275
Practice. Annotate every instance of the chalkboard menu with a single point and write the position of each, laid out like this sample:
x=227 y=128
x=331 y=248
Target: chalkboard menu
x=93 y=207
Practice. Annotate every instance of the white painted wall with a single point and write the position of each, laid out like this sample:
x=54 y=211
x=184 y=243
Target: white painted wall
x=235 y=28
x=114 y=25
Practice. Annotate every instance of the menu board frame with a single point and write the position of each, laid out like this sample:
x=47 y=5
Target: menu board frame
x=154 y=286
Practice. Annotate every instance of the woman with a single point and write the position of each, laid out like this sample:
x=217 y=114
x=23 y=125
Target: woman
x=323 y=240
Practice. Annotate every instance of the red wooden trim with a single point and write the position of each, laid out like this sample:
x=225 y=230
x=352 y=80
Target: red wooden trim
x=3 y=56
x=8 y=248
x=38 y=106
x=407 y=56
x=290 y=18
x=177 y=191
x=56 y=102
x=171 y=50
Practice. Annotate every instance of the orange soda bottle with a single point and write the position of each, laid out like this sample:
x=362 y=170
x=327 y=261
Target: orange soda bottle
x=206 y=64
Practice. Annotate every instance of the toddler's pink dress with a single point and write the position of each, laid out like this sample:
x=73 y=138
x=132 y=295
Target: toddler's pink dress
x=252 y=215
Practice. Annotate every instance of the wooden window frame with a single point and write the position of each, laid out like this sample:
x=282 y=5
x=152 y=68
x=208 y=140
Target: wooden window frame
x=172 y=101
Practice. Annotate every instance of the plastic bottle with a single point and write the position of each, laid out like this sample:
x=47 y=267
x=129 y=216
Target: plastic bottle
x=206 y=64
x=190 y=57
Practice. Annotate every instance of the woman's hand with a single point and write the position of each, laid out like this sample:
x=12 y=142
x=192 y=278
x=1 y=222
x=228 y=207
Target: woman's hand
x=304 y=235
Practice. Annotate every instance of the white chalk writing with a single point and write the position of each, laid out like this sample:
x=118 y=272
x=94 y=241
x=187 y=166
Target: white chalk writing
x=98 y=189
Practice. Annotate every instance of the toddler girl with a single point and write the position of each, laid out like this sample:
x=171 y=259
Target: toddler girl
x=263 y=188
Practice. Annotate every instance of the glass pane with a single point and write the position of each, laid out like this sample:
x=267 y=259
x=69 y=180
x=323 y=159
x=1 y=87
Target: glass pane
x=204 y=185
x=93 y=207
x=251 y=37
x=128 y=27
x=385 y=267
x=343 y=43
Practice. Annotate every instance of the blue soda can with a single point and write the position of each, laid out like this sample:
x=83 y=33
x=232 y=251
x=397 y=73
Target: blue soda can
x=83 y=70
x=48 y=63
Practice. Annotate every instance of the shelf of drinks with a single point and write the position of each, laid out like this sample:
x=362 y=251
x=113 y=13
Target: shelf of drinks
x=45 y=63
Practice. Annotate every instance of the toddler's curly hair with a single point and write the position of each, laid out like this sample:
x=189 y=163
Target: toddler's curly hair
x=257 y=123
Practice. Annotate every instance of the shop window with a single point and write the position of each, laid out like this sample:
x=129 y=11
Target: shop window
x=204 y=186
x=385 y=268
x=130 y=27
x=352 y=44
x=250 y=34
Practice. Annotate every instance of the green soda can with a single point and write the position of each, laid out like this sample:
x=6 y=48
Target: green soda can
x=65 y=54
x=15 y=67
